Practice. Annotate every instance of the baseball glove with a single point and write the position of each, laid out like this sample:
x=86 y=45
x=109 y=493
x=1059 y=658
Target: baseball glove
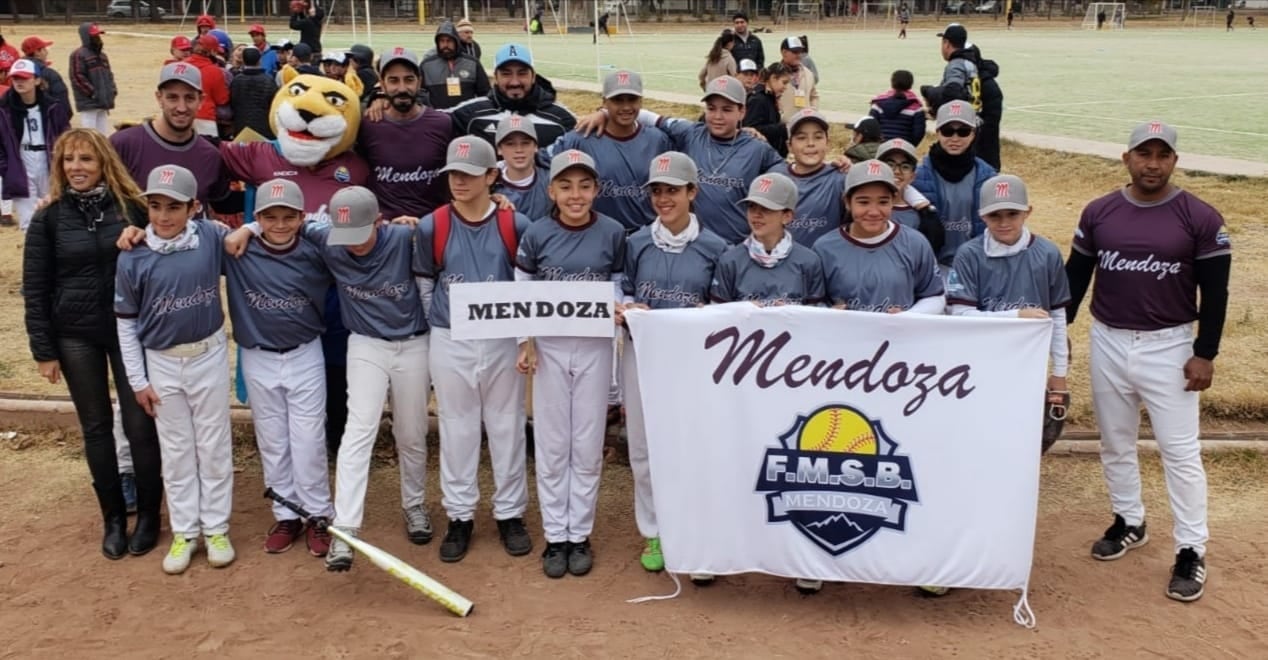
x=1056 y=404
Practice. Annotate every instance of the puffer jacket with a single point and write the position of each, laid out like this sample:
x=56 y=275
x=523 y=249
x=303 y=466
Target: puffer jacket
x=901 y=115
x=926 y=182
x=68 y=273
x=473 y=81
x=251 y=96
x=480 y=116
x=761 y=112
x=54 y=85
x=54 y=118
x=90 y=75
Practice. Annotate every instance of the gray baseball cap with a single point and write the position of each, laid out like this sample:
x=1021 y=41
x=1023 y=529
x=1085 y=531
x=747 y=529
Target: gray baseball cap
x=1153 y=130
x=773 y=191
x=398 y=54
x=674 y=168
x=512 y=124
x=171 y=181
x=181 y=72
x=622 y=82
x=747 y=65
x=566 y=160
x=470 y=155
x=354 y=211
x=727 y=87
x=279 y=192
x=869 y=171
x=1003 y=192
x=807 y=114
x=897 y=144
x=956 y=111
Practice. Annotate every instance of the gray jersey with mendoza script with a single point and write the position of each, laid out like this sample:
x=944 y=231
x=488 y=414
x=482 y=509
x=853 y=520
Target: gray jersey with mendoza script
x=727 y=167
x=622 y=164
x=1031 y=279
x=820 y=203
x=667 y=280
x=957 y=214
x=174 y=297
x=896 y=272
x=796 y=280
x=531 y=200
x=551 y=250
x=277 y=298
x=473 y=253
x=378 y=296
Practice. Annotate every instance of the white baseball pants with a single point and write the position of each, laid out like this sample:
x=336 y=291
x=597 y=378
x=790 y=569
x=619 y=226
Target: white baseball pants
x=194 y=436
x=1132 y=367
x=476 y=381
x=24 y=207
x=287 y=394
x=636 y=434
x=122 y=448
x=570 y=396
x=98 y=120
x=6 y=204
x=374 y=365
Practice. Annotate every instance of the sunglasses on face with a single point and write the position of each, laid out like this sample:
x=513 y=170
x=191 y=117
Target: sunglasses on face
x=903 y=167
x=961 y=131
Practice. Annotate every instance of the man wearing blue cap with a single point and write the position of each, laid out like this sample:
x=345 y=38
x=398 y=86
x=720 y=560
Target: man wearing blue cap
x=517 y=89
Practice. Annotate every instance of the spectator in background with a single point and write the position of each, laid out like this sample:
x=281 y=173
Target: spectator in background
x=268 y=56
x=8 y=54
x=300 y=62
x=761 y=107
x=181 y=48
x=204 y=24
x=971 y=78
x=466 y=39
x=215 y=91
x=800 y=92
x=904 y=18
x=747 y=45
x=450 y=76
x=361 y=62
x=35 y=48
x=899 y=111
x=307 y=20
x=867 y=137
x=251 y=95
x=30 y=123
x=719 y=62
x=92 y=79
x=749 y=74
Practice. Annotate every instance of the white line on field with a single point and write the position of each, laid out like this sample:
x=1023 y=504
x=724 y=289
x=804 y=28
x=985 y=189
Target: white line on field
x=1123 y=120
x=1119 y=100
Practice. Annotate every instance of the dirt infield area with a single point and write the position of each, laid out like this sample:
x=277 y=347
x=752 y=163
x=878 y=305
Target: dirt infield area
x=58 y=595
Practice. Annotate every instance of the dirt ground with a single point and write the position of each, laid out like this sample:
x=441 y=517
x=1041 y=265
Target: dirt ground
x=61 y=596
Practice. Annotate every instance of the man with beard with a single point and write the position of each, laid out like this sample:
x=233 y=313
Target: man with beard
x=93 y=81
x=450 y=75
x=406 y=181
x=747 y=45
x=466 y=33
x=517 y=89
x=169 y=138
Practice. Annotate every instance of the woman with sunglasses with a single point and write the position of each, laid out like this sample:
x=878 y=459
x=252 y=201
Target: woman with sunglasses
x=951 y=176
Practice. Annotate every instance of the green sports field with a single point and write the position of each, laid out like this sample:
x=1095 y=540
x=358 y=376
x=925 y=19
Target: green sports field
x=1069 y=82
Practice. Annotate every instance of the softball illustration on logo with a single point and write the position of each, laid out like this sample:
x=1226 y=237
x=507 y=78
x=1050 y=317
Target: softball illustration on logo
x=836 y=478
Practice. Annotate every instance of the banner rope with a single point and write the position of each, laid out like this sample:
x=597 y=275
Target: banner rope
x=1022 y=614
x=677 y=592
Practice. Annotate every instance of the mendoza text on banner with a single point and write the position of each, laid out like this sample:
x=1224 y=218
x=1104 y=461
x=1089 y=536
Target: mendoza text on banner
x=496 y=310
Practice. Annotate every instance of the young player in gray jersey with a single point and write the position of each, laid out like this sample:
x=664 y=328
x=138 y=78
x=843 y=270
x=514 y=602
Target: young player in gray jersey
x=873 y=264
x=622 y=152
x=277 y=295
x=167 y=300
x=769 y=267
x=1013 y=273
x=523 y=183
x=387 y=351
x=951 y=175
x=471 y=240
x=570 y=374
x=916 y=214
x=668 y=265
x=820 y=186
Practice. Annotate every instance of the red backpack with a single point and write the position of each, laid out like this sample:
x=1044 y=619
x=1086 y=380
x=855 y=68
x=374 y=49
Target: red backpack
x=443 y=220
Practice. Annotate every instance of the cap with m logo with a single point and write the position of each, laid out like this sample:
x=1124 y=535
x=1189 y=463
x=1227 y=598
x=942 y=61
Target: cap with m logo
x=355 y=214
x=874 y=167
x=343 y=215
x=279 y=192
x=772 y=191
x=869 y=171
x=513 y=124
x=470 y=155
x=957 y=112
x=172 y=181
x=622 y=82
x=183 y=73
x=1153 y=130
x=728 y=88
x=570 y=159
x=1003 y=192
x=673 y=168
x=166 y=176
x=398 y=54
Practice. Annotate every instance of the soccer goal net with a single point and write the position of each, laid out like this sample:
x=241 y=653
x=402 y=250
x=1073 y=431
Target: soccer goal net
x=1201 y=17
x=1105 y=16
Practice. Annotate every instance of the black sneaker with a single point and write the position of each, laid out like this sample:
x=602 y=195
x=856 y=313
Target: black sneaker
x=1118 y=539
x=457 y=540
x=515 y=537
x=555 y=560
x=580 y=559
x=1188 y=576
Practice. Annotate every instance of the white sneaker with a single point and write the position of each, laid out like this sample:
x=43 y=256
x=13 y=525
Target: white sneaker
x=177 y=559
x=806 y=587
x=701 y=579
x=219 y=551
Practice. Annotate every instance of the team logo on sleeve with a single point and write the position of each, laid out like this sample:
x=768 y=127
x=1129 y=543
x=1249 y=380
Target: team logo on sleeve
x=836 y=479
x=764 y=184
x=166 y=176
x=343 y=215
x=1221 y=237
x=342 y=175
x=1001 y=189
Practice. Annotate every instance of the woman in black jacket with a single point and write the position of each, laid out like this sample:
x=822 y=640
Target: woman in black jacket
x=761 y=108
x=68 y=277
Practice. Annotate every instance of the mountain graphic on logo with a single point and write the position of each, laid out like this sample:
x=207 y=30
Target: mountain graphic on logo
x=836 y=517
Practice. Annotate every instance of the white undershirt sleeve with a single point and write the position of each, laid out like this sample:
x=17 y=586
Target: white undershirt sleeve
x=523 y=276
x=648 y=118
x=426 y=287
x=935 y=305
x=1059 y=350
x=133 y=354
x=969 y=310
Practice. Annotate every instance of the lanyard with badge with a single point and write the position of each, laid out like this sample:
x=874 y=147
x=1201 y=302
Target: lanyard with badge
x=799 y=94
x=453 y=86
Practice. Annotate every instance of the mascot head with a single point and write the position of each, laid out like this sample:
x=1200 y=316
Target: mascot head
x=314 y=118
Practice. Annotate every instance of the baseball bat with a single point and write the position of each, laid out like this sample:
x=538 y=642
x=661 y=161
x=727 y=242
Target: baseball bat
x=450 y=599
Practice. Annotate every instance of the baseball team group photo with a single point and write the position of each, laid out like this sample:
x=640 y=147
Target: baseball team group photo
x=623 y=329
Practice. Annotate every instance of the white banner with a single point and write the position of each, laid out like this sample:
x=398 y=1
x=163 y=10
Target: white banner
x=847 y=446
x=496 y=310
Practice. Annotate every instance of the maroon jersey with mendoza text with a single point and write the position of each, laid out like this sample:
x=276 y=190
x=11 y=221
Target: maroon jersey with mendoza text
x=257 y=162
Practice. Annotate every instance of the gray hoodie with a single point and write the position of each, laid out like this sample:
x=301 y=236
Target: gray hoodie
x=90 y=74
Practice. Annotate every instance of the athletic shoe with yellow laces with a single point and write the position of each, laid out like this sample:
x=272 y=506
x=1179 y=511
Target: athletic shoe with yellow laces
x=219 y=550
x=652 y=559
x=178 y=556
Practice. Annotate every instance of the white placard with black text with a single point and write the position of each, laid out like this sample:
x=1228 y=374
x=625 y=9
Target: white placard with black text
x=496 y=310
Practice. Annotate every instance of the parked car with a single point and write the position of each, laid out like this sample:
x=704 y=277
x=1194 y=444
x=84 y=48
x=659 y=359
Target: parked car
x=123 y=9
x=988 y=7
x=955 y=7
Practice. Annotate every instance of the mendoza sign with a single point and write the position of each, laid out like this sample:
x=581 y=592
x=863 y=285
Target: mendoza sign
x=497 y=310
x=845 y=446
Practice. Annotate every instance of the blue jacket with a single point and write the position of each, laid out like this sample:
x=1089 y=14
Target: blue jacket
x=926 y=182
x=901 y=115
x=268 y=61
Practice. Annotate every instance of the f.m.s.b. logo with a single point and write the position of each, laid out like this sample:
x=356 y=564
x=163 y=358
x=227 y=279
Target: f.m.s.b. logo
x=836 y=478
